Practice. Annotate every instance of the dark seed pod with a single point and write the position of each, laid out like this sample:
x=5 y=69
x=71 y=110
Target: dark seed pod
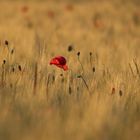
x=70 y=90
x=79 y=76
x=77 y=88
x=120 y=93
x=13 y=69
x=93 y=69
x=11 y=85
x=78 y=53
x=61 y=74
x=19 y=67
x=4 y=61
x=90 y=53
x=6 y=42
x=113 y=91
x=70 y=48
x=12 y=51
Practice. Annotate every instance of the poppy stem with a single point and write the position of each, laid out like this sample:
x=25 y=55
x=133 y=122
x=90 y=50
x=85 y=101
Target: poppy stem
x=81 y=64
x=80 y=76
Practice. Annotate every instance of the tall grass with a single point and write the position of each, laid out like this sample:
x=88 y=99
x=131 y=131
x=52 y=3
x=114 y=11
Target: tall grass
x=97 y=98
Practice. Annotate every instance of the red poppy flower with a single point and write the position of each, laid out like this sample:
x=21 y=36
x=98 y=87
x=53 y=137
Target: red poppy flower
x=60 y=62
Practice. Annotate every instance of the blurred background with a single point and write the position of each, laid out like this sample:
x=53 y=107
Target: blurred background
x=100 y=40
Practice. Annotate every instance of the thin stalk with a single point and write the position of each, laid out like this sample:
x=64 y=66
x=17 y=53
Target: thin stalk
x=81 y=64
x=90 y=59
x=35 y=79
x=137 y=69
x=85 y=83
x=47 y=86
x=131 y=70
x=3 y=75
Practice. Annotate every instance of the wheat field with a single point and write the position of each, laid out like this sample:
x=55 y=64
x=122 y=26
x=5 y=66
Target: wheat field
x=97 y=98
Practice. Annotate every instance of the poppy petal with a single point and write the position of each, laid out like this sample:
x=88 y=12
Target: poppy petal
x=54 y=61
x=60 y=62
x=65 y=67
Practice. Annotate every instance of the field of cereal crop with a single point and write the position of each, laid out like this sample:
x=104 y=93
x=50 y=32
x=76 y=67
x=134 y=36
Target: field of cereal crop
x=97 y=98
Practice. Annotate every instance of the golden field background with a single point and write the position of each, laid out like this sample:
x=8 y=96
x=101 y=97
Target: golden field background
x=100 y=101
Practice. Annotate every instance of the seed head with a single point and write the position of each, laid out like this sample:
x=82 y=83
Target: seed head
x=61 y=74
x=78 y=88
x=93 y=69
x=90 y=53
x=79 y=76
x=11 y=85
x=120 y=93
x=70 y=90
x=70 y=48
x=12 y=51
x=113 y=91
x=13 y=69
x=19 y=67
x=78 y=53
x=6 y=42
x=4 y=61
